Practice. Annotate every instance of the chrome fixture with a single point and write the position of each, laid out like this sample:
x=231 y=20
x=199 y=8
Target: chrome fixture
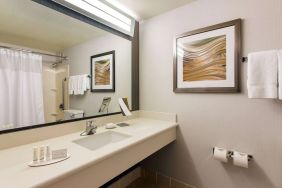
x=61 y=57
x=230 y=154
x=90 y=129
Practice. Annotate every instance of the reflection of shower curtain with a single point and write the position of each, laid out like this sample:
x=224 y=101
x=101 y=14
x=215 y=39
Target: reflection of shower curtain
x=21 y=96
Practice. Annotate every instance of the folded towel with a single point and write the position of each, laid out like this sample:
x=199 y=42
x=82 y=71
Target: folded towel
x=262 y=75
x=280 y=73
x=85 y=82
x=78 y=84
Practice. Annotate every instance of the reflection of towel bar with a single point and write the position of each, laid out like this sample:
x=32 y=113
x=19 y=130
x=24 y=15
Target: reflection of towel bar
x=89 y=76
x=245 y=59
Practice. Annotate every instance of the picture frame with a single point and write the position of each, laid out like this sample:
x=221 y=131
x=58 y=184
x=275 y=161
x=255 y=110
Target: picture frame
x=207 y=60
x=103 y=72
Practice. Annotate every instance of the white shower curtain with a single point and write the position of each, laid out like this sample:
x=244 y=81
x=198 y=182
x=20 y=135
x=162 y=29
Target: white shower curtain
x=21 y=92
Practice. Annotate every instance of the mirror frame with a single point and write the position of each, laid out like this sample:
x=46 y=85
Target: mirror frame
x=134 y=62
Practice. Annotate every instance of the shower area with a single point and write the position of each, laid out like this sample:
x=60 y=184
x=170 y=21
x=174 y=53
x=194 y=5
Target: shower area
x=55 y=95
x=34 y=87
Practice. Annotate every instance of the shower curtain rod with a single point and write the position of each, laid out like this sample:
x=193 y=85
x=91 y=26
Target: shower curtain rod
x=33 y=52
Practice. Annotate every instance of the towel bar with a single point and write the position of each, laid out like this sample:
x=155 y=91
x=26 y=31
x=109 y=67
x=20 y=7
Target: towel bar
x=245 y=59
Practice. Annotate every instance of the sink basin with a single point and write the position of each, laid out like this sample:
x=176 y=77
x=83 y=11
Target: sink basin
x=97 y=141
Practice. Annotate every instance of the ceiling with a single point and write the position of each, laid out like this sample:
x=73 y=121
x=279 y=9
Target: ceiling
x=26 y=23
x=145 y=9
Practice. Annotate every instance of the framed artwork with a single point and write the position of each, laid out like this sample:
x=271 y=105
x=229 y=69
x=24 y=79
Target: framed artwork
x=206 y=60
x=103 y=72
x=105 y=105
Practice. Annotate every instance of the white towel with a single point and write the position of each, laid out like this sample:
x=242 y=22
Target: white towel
x=280 y=73
x=85 y=82
x=78 y=84
x=262 y=75
x=71 y=85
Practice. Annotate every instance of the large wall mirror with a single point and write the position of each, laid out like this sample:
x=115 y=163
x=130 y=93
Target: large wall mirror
x=57 y=68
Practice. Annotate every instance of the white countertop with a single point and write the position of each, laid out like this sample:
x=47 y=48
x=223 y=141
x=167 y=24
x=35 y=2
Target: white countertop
x=15 y=172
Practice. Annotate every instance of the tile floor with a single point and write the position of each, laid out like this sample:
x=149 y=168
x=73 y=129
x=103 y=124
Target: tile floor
x=143 y=183
x=151 y=179
x=148 y=179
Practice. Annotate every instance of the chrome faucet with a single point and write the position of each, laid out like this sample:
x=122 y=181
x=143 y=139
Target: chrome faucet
x=90 y=129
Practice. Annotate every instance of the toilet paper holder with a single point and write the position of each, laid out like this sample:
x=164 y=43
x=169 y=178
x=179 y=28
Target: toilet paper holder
x=231 y=153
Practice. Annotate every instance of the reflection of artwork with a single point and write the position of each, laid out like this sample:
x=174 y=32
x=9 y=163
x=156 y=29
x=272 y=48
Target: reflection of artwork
x=206 y=60
x=103 y=72
x=105 y=105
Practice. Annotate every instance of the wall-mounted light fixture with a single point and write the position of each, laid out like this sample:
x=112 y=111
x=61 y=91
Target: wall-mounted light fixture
x=103 y=12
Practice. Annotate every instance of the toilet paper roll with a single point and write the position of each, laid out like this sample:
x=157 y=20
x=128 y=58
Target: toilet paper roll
x=240 y=159
x=220 y=154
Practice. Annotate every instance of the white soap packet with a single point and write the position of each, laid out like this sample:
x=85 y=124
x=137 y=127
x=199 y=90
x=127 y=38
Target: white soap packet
x=110 y=126
x=59 y=153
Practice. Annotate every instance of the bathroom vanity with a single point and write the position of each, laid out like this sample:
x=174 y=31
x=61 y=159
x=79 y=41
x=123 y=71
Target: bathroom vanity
x=81 y=72
x=95 y=159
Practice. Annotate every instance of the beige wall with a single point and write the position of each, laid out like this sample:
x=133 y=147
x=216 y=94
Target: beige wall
x=206 y=120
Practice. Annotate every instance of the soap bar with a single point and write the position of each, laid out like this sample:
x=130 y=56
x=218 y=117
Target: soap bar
x=110 y=126
x=60 y=153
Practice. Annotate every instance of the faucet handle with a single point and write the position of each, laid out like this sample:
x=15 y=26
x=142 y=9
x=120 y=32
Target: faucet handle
x=90 y=128
x=89 y=123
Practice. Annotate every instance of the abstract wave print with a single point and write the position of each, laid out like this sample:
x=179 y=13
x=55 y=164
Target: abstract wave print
x=102 y=72
x=205 y=60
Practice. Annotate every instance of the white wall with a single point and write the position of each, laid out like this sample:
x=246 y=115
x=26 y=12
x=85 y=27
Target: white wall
x=79 y=60
x=206 y=120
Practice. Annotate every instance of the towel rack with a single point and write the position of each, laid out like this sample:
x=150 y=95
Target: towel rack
x=62 y=105
x=89 y=76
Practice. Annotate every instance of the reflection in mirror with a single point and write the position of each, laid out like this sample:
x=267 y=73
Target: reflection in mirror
x=55 y=68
